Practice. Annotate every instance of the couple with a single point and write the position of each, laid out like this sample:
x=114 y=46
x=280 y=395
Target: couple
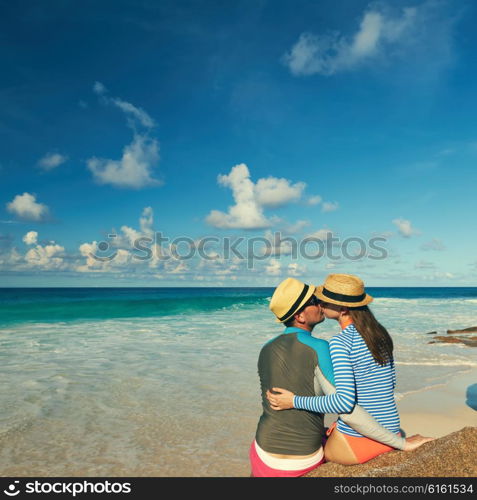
x=352 y=376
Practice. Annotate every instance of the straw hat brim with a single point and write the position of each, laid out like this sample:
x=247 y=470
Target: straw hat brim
x=319 y=293
x=311 y=291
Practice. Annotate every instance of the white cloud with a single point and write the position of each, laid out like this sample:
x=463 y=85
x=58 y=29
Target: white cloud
x=366 y=39
x=298 y=226
x=88 y=250
x=278 y=245
x=99 y=88
x=26 y=207
x=321 y=234
x=383 y=33
x=133 y=170
x=30 y=238
x=130 y=235
x=122 y=259
x=273 y=192
x=326 y=206
x=314 y=200
x=306 y=57
x=433 y=245
x=138 y=113
x=273 y=268
x=146 y=222
x=383 y=234
x=51 y=161
x=176 y=266
x=246 y=213
x=227 y=271
x=220 y=266
x=11 y=260
x=424 y=264
x=122 y=246
x=329 y=206
x=132 y=111
x=405 y=227
x=250 y=199
x=46 y=257
x=139 y=158
x=295 y=269
x=439 y=275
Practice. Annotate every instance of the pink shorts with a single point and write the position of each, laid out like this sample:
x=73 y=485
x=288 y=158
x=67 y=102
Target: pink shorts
x=259 y=469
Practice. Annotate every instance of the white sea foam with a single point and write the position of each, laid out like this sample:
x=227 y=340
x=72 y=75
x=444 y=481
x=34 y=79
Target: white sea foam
x=423 y=300
x=437 y=363
x=400 y=395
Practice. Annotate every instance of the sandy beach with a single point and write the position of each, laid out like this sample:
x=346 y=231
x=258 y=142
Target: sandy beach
x=441 y=410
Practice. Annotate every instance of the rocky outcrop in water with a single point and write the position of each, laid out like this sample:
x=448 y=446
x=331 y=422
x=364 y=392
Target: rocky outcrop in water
x=469 y=341
x=457 y=337
x=472 y=329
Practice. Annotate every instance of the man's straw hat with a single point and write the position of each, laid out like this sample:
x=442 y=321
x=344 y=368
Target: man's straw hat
x=289 y=297
x=343 y=290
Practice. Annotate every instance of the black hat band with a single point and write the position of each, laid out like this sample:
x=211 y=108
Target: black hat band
x=341 y=297
x=296 y=303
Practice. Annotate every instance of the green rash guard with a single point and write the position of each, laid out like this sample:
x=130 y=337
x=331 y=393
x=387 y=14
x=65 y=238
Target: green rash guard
x=289 y=361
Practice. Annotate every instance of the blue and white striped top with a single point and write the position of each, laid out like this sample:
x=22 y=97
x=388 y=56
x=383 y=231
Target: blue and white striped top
x=358 y=380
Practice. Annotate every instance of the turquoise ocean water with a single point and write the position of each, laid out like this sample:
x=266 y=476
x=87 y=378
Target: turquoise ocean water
x=163 y=381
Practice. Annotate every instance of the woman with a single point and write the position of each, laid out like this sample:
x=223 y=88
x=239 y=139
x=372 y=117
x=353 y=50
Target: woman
x=362 y=357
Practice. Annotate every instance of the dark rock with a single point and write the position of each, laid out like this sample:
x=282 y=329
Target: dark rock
x=470 y=341
x=446 y=340
x=431 y=333
x=472 y=329
x=449 y=456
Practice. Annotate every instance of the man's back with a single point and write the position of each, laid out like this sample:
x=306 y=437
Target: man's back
x=287 y=361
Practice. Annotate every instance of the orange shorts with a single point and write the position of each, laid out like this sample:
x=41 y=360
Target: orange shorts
x=364 y=448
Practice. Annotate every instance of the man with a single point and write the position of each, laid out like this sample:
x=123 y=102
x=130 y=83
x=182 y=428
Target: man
x=289 y=443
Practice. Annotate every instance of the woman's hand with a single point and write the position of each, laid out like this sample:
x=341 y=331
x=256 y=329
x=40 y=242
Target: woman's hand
x=280 y=399
x=415 y=441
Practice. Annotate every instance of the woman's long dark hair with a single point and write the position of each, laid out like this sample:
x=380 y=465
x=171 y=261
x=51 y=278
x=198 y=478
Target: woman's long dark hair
x=377 y=338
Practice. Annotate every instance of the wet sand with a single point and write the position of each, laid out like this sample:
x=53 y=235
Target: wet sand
x=441 y=410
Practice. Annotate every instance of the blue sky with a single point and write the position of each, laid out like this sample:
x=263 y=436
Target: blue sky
x=273 y=126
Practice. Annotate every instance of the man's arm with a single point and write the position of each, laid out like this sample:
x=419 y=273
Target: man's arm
x=359 y=419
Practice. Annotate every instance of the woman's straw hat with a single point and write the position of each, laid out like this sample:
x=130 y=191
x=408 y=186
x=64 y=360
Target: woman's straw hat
x=343 y=290
x=289 y=297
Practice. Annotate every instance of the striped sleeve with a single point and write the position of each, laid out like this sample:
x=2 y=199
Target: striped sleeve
x=344 y=399
x=393 y=368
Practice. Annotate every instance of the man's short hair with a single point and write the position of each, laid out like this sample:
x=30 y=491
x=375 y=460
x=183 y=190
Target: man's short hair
x=289 y=322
